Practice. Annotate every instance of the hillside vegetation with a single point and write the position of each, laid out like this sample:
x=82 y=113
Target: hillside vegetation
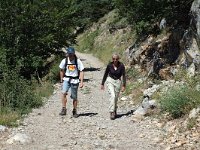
x=33 y=32
x=110 y=34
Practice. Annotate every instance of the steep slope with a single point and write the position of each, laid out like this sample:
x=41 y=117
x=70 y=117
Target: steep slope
x=110 y=34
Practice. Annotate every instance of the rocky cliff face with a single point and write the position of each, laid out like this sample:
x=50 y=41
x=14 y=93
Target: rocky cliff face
x=195 y=28
x=179 y=47
x=195 y=14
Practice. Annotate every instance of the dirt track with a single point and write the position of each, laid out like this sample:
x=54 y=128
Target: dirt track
x=92 y=130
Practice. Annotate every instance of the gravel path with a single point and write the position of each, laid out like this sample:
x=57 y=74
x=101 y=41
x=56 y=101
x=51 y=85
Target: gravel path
x=92 y=130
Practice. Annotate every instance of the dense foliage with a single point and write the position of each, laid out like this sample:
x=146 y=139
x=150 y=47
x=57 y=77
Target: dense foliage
x=89 y=11
x=143 y=15
x=32 y=31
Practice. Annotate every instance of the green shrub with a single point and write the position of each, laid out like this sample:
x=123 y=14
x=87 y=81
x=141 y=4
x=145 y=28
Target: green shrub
x=179 y=101
x=17 y=94
x=54 y=72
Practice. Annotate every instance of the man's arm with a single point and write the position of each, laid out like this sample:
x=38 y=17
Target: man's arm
x=62 y=74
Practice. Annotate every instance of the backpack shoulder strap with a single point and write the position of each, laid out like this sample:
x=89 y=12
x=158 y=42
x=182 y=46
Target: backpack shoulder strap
x=66 y=62
x=76 y=63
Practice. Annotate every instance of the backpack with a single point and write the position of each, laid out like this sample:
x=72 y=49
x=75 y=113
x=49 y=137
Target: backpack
x=76 y=63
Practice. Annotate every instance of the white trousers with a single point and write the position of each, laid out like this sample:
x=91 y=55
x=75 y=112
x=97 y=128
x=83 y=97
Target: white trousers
x=114 y=87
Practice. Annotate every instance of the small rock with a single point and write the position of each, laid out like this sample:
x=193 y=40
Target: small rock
x=141 y=135
x=2 y=128
x=159 y=125
x=140 y=111
x=194 y=112
x=124 y=98
x=75 y=142
x=168 y=148
x=19 y=137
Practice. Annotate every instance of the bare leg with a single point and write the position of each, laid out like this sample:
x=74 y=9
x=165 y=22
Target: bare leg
x=64 y=104
x=64 y=100
x=75 y=103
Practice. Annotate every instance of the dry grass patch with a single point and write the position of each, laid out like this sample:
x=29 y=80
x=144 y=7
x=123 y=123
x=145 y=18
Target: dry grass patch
x=9 y=119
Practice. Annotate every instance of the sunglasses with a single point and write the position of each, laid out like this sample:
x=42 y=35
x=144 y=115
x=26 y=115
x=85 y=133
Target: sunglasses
x=115 y=58
x=70 y=54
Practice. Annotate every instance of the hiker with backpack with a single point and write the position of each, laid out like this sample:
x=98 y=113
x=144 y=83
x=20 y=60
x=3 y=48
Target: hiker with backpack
x=71 y=76
x=115 y=78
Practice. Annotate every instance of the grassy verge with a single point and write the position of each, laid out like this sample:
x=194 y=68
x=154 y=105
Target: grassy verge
x=9 y=117
x=15 y=102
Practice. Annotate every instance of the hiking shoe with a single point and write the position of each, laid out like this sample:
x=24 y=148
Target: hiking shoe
x=74 y=112
x=112 y=115
x=63 y=111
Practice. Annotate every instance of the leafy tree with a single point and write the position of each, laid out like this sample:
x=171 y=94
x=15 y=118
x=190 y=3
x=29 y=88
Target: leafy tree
x=89 y=11
x=142 y=14
x=31 y=31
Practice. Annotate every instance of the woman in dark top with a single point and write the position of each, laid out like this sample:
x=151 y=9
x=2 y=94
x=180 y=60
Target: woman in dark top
x=115 y=78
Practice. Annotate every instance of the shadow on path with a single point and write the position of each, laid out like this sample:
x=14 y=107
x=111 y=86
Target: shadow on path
x=125 y=114
x=83 y=59
x=91 y=69
x=87 y=114
x=86 y=80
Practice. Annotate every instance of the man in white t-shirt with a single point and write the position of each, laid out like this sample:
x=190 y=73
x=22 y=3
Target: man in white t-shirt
x=71 y=75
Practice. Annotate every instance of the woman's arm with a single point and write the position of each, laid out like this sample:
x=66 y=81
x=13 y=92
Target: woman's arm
x=105 y=77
